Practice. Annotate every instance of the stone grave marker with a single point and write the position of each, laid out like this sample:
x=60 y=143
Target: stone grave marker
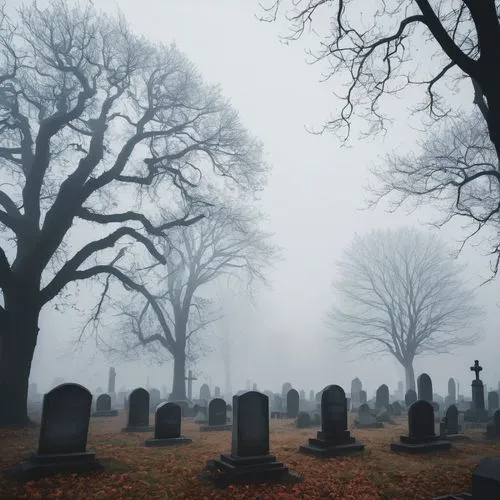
x=303 y=420
x=424 y=386
x=333 y=439
x=421 y=436
x=492 y=401
x=103 y=407
x=292 y=403
x=362 y=397
x=366 y=419
x=449 y=428
x=249 y=459
x=493 y=427
x=63 y=436
x=396 y=406
x=217 y=417
x=477 y=412
x=168 y=418
x=382 y=397
x=154 y=399
x=410 y=397
x=138 y=412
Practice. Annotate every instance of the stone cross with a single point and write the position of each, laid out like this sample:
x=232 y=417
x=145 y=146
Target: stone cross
x=476 y=368
x=190 y=379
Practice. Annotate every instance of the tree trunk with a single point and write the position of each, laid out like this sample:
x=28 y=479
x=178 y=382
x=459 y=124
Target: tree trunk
x=18 y=341
x=179 y=384
x=409 y=375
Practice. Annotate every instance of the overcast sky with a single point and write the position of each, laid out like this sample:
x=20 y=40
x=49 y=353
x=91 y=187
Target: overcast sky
x=313 y=200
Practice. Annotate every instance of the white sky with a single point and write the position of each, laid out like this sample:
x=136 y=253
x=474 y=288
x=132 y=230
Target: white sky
x=313 y=200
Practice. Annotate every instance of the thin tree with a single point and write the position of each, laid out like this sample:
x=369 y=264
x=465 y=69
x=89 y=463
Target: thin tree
x=100 y=131
x=227 y=243
x=446 y=170
x=400 y=292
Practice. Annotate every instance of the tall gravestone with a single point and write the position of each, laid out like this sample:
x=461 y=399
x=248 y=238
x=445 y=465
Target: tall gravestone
x=249 y=459
x=217 y=417
x=452 y=391
x=477 y=413
x=205 y=393
x=103 y=407
x=334 y=438
x=424 y=387
x=292 y=403
x=62 y=444
x=168 y=417
x=111 y=380
x=356 y=388
x=138 y=411
x=382 y=397
x=421 y=436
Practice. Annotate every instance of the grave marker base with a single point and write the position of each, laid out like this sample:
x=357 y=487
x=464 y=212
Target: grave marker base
x=230 y=469
x=208 y=428
x=319 y=448
x=39 y=465
x=455 y=437
x=167 y=441
x=105 y=413
x=425 y=447
x=132 y=428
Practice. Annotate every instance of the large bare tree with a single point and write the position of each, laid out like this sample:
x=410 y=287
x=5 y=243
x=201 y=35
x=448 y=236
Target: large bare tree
x=229 y=244
x=400 y=292
x=447 y=169
x=100 y=132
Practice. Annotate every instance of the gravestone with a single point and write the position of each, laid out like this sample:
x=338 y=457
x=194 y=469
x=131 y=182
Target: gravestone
x=410 y=397
x=249 y=460
x=452 y=391
x=205 y=393
x=492 y=401
x=111 y=380
x=362 y=397
x=154 y=399
x=217 y=417
x=396 y=406
x=168 y=418
x=292 y=403
x=217 y=392
x=333 y=439
x=382 y=397
x=493 y=427
x=486 y=480
x=356 y=388
x=63 y=436
x=303 y=420
x=103 y=407
x=138 y=411
x=449 y=428
x=424 y=387
x=285 y=388
x=477 y=412
x=302 y=395
x=421 y=436
x=366 y=419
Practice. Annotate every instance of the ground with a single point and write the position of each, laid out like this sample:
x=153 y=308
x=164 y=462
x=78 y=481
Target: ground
x=134 y=471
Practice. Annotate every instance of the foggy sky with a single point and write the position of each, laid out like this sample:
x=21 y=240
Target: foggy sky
x=313 y=199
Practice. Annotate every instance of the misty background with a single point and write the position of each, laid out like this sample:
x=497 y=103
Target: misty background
x=314 y=201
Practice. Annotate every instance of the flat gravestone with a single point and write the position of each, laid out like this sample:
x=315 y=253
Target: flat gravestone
x=168 y=418
x=63 y=436
x=333 y=439
x=103 y=407
x=424 y=386
x=249 y=460
x=410 y=397
x=421 y=436
x=217 y=417
x=292 y=403
x=138 y=412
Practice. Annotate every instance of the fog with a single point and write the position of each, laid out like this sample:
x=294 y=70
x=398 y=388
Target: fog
x=314 y=200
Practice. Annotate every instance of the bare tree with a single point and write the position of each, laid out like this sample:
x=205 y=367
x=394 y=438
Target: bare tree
x=400 y=292
x=386 y=49
x=448 y=170
x=99 y=130
x=227 y=243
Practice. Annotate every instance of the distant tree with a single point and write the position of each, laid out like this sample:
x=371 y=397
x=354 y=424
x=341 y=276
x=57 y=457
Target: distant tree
x=100 y=132
x=227 y=243
x=386 y=49
x=400 y=292
x=457 y=170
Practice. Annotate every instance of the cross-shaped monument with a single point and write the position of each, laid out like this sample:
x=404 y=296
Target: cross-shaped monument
x=476 y=368
x=190 y=379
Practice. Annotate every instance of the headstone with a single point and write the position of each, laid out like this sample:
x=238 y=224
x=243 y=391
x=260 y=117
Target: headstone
x=278 y=403
x=334 y=438
x=396 y=406
x=111 y=380
x=292 y=404
x=138 y=412
x=103 y=407
x=362 y=397
x=217 y=392
x=168 y=418
x=492 y=401
x=477 y=412
x=154 y=399
x=63 y=436
x=410 y=397
x=486 y=479
x=284 y=389
x=424 y=386
x=217 y=417
x=303 y=420
x=493 y=428
x=356 y=388
x=205 y=393
x=249 y=459
x=366 y=419
x=382 y=397
x=452 y=391
x=421 y=436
